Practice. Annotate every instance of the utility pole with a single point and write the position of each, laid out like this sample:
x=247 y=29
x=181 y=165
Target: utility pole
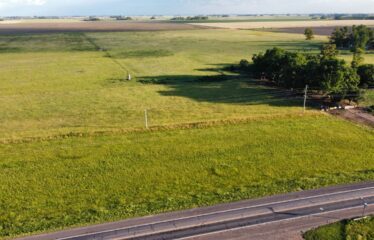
x=146 y=118
x=305 y=97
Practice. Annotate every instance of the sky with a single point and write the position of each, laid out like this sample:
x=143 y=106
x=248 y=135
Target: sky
x=179 y=7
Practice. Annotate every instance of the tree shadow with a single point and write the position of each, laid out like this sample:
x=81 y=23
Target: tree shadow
x=228 y=85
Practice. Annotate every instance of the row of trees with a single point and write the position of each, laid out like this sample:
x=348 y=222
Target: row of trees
x=324 y=72
x=196 y=18
x=356 y=38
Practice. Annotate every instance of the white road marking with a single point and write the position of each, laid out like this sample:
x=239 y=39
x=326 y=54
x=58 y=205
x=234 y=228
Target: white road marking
x=218 y=212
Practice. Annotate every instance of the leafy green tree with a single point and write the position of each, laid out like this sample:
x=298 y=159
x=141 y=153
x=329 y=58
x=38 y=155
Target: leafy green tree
x=341 y=37
x=361 y=36
x=309 y=34
x=336 y=77
x=329 y=51
x=366 y=73
x=358 y=58
x=269 y=64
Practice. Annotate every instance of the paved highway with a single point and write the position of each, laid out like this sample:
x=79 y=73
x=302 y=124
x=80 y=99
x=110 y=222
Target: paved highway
x=277 y=217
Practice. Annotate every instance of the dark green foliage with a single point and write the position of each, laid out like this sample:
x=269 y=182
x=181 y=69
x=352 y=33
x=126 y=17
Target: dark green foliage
x=357 y=37
x=196 y=18
x=143 y=53
x=244 y=64
x=295 y=70
x=309 y=33
x=92 y=19
x=122 y=18
x=329 y=51
x=358 y=57
x=366 y=73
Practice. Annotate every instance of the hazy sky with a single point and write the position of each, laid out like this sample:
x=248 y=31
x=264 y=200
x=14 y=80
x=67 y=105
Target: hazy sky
x=176 y=7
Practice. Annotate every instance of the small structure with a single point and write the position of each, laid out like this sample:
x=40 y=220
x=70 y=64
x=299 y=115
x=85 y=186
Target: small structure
x=128 y=77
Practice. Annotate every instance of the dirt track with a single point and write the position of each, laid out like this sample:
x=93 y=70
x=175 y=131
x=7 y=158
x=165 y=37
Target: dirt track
x=92 y=27
x=355 y=115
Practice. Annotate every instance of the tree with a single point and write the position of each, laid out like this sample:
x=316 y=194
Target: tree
x=336 y=77
x=309 y=33
x=366 y=73
x=329 y=51
x=358 y=58
x=353 y=38
x=341 y=37
x=361 y=36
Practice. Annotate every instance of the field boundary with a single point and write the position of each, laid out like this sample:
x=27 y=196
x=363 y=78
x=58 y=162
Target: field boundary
x=155 y=128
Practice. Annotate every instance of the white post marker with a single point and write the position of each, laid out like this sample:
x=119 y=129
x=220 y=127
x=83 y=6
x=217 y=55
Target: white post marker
x=305 y=97
x=146 y=118
x=129 y=77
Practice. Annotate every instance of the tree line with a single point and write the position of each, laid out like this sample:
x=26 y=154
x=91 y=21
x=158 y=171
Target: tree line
x=354 y=38
x=324 y=71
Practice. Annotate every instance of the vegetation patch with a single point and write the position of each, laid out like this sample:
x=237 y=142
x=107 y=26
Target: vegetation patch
x=349 y=229
x=144 y=54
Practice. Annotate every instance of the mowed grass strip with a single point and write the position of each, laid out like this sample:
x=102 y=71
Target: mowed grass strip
x=78 y=181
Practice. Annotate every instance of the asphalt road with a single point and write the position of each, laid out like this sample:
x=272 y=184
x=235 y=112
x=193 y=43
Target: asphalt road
x=277 y=217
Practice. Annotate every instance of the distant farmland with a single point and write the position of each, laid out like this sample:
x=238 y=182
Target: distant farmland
x=74 y=149
x=104 y=26
x=287 y=24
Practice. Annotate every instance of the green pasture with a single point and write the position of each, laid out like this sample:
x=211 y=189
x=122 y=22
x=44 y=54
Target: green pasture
x=76 y=181
x=56 y=84
x=74 y=150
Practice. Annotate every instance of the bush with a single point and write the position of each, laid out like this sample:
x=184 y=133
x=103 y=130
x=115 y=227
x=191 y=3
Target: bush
x=366 y=73
x=244 y=64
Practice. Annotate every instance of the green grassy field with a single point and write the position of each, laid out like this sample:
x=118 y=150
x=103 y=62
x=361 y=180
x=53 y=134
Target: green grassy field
x=353 y=230
x=51 y=184
x=63 y=84
x=74 y=149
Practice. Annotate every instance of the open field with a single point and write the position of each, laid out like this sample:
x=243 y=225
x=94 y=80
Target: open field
x=323 y=31
x=101 y=26
x=53 y=184
x=64 y=84
x=288 y=24
x=74 y=149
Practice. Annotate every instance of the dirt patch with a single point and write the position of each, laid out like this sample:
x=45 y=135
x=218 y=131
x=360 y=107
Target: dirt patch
x=355 y=115
x=288 y=24
x=323 y=31
x=16 y=28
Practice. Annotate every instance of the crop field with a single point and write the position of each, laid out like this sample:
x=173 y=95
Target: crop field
x=74 y=148
x=287 y=24
x=65 y=26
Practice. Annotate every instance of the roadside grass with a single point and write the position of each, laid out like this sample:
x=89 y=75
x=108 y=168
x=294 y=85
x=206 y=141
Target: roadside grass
x=77 y=181
x=353 y=230
x=67 y=83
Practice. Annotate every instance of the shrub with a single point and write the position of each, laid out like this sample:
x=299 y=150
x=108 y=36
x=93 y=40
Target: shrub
x=366 y=73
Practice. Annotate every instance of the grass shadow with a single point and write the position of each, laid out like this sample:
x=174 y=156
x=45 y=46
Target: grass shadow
x=227 y=86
